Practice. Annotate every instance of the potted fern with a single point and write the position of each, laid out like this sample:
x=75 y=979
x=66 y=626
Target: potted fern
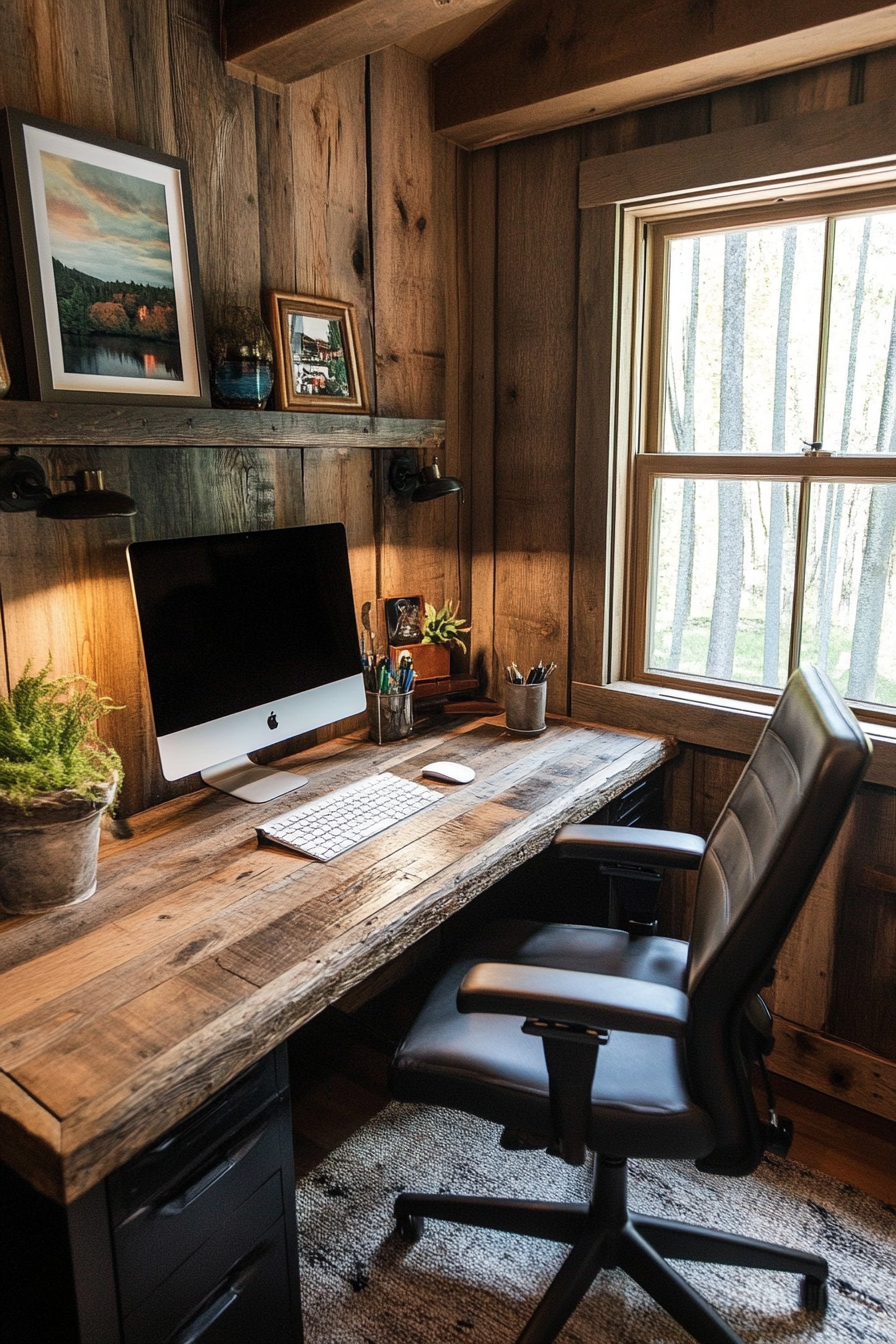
x=57 y=778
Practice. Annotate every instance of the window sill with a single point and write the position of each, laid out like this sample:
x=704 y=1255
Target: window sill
x=704 y=720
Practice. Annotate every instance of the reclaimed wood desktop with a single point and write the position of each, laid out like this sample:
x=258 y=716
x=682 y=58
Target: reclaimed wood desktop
x=201 y=952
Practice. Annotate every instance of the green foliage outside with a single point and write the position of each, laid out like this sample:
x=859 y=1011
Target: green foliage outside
x=88 y=305
x=334 y=335
x=48 y=739
x=444 y=626
x=338 y=374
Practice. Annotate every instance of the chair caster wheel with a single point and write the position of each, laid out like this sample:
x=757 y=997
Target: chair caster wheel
x=409 y=1226
x=814 y=1295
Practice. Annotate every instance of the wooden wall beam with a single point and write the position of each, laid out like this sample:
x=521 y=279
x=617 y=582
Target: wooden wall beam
x=838 y=139
x=539 y=66
x=295 y=38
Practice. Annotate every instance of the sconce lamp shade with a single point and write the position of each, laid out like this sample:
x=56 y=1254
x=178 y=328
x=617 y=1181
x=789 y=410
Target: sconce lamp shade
x=423 y=484
x=23 y=488
x=89 y=499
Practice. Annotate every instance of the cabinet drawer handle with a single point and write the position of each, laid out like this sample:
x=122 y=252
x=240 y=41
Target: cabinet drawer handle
x=184 y=1198
x=229 y=1294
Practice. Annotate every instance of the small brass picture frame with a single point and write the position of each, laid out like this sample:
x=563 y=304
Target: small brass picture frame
x=316 y=355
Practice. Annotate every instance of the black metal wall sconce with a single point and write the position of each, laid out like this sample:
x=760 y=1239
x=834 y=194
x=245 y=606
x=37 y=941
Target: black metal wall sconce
x=418 y=484
x=24 y=489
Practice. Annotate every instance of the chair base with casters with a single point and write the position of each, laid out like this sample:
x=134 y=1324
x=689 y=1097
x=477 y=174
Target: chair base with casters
x=633 y=1046
x=605 y=1234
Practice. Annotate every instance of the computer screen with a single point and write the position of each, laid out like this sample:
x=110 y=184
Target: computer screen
x=248 y=638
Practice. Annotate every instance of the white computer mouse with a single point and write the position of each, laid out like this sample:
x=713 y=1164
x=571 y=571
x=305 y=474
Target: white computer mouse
x=449 y=772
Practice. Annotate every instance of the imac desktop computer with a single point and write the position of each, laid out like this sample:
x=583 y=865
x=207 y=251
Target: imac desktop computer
x=248 y=639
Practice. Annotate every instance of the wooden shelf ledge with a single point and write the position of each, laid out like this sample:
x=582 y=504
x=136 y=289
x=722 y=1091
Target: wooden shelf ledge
x=50 y=423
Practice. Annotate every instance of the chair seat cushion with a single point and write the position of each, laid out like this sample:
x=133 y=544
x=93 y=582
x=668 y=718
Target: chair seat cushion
x=482 y=1063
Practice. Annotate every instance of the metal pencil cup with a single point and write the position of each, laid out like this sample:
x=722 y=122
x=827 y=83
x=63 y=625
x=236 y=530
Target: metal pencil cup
x=390 y=715
x=524 y=707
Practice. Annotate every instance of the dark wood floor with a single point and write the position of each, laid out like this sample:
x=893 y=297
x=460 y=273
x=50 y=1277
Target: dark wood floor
x=339 y=1065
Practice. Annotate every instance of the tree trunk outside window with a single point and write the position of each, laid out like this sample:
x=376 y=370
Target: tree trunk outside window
x=730 y=561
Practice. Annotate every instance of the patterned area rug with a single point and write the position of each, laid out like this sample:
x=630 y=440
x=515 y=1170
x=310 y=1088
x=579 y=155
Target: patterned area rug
x=362 y=1285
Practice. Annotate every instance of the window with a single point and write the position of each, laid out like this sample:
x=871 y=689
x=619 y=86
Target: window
x=765 y=333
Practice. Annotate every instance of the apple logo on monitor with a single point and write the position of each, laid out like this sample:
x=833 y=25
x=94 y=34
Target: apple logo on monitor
x=272 y=720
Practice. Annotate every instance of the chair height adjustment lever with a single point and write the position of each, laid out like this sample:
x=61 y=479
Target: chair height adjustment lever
x=565 y=1031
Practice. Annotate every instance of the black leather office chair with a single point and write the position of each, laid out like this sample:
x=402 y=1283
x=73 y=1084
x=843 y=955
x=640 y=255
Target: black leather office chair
x=512 y=1031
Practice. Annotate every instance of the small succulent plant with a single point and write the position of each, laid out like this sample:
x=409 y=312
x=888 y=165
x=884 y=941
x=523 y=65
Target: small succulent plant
x=445 y=626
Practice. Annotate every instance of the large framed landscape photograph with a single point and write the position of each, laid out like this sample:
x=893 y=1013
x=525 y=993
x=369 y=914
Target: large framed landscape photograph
x=105 y=254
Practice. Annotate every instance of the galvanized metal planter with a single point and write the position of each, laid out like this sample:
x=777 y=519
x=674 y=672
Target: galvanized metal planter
x=48 y=855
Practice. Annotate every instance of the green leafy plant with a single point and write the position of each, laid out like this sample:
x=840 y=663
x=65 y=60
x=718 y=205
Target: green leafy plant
x=444 y=626
x=48 y=739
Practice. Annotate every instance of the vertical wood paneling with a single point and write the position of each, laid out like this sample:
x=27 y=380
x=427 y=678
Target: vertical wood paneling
x=802 y=988
x=74 y=78
x=19 y=63
x=312 y=153
x=408 y=170
x=328 y=122
x=596 y=442
x=413 y=197
x=337 y=490
x=813 y=90
x=458 y=453
x=215 y=124
x=483 y=257
x=141 y=88
x=863 y=1002
x=535 y=399
x=880 y=75
x=676 y=908
x=232 y=489
x=278 y=202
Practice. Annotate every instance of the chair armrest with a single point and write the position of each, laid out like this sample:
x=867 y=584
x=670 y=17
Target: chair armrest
x=608 y=1002
x=630 y=844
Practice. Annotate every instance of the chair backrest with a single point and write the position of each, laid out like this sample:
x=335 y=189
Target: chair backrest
x=761 y=859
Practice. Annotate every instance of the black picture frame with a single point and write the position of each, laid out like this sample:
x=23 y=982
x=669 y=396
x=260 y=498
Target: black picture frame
x=139 y=354
x=403 y=618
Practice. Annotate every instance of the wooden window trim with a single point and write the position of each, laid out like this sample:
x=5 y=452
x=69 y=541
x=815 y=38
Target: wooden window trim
x=719 y=721
x=830 y=148
x=810 y=162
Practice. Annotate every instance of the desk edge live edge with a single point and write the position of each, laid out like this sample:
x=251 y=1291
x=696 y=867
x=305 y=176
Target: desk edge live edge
x=65 y=1157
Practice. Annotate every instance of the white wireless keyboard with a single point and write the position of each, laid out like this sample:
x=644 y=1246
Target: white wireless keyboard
x=330 y=825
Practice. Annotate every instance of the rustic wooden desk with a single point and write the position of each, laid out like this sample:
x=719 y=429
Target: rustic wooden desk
x=201 y=952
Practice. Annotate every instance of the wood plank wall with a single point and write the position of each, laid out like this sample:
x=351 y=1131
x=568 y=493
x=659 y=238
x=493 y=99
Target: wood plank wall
x=336 y=188
x=836 y=973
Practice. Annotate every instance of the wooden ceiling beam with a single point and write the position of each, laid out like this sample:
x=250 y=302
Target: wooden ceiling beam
x=285 y=40
x=543 y=64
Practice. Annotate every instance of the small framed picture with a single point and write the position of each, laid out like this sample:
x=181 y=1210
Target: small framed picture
x=317 y=364
x=105 y=257
x=402 y=619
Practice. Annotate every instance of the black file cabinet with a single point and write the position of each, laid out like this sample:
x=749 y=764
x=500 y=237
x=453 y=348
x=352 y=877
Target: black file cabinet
x=191 y=1242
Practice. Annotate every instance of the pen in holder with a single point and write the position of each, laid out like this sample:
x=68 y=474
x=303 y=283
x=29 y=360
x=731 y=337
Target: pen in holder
x=390 y=715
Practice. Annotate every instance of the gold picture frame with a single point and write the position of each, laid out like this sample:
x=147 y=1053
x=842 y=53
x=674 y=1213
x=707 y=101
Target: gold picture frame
x=314 y=371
